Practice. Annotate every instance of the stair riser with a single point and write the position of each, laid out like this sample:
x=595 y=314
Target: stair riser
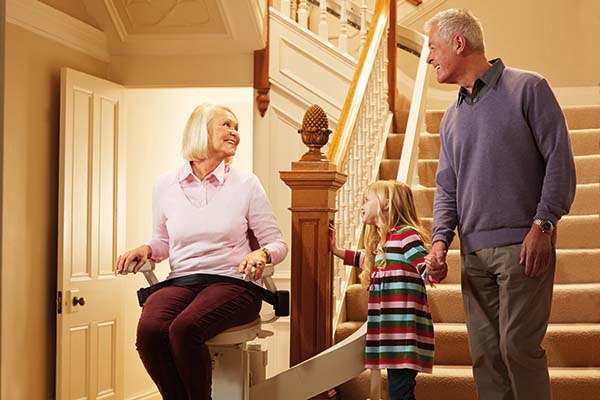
x=446 y=304
x=563 y=349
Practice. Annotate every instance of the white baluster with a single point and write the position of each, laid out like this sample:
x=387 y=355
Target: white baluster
x=284 y=7
x=343 y=39
x=303 y=13
x=363 y=23
x=293 y=14
x=323 y=27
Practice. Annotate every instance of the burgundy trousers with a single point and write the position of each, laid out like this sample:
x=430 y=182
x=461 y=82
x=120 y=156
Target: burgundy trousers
x=173 y=329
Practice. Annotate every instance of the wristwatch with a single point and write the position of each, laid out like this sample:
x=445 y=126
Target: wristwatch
x=268 y=253
x=545 y=225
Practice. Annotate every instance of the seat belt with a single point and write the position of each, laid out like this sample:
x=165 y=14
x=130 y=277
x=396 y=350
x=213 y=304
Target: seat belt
x=280 y=300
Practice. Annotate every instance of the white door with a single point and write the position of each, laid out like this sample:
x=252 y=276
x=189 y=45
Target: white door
x=89 y=321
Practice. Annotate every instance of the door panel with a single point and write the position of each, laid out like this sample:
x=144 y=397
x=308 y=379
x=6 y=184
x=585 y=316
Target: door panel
x=90 y=321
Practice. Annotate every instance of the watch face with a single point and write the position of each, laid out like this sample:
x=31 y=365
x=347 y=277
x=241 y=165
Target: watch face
x=546 y=226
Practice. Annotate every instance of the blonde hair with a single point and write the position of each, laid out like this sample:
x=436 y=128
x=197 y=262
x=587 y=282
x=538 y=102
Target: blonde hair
x=194 y=144
x=461 y=22
x=396 y=207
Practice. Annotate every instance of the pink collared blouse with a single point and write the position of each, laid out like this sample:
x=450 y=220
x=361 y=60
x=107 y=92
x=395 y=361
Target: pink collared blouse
x=201 y=225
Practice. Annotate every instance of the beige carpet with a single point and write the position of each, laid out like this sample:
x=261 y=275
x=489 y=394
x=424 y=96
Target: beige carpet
x=573 y=339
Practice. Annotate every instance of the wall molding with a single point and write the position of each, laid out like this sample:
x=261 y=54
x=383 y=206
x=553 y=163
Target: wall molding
x=153 y=395
x=306 y=34
x=299 y=80
x=416 y=12
x=55 y=25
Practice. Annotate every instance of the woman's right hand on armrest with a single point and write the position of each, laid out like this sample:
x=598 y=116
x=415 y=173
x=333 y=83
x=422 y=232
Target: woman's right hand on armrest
x=137 y=257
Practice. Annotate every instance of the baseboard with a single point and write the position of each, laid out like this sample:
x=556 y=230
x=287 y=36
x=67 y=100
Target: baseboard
x=152 y=395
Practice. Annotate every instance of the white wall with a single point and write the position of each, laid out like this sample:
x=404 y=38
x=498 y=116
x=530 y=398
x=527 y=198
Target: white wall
x=155 y=119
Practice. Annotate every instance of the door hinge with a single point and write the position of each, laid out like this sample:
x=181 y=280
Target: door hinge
x=59 y=302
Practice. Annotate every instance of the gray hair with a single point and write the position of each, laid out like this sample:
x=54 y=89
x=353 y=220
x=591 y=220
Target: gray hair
x=194 y=145
x=461 y=22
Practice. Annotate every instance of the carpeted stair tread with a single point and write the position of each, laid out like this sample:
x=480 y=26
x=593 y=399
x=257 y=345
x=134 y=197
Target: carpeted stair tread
x=579 y=232
x=582 y=117
x=586 y=202
x=566 y=345
x=587 y=199
x=574 y=232
x=578 y=117
x=445 y=302
x=572 y=266
x=454 y=382
x=393 y=146
x=345 y=329
x=588 y=168
x=357 y=298
x=585 y=141
x=433 y=119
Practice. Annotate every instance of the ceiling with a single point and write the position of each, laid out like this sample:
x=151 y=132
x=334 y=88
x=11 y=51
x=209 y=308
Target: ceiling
x=172 y=27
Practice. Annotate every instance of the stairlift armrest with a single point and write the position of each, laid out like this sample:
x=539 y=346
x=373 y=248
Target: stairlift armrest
x=267 y=278
x=148 y=271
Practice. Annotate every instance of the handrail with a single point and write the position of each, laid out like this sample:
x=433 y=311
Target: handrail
x=359 y=140
x=418 y=43
x=341 y=137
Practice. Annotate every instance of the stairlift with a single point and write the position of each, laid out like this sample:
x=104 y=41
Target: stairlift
x=237 y=364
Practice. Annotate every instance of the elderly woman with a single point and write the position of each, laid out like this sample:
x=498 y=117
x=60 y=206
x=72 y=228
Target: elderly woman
x=201 y=216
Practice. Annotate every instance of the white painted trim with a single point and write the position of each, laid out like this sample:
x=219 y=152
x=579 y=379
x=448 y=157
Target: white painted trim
x=312 y=37
x=297 y=79
x=285 y=92
x=418 y=12
x=116 y=20
x=153 y=395
x=50 y=23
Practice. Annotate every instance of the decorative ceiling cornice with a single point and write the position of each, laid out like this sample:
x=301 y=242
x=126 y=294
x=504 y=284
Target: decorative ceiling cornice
x=142 y=27
x=55 y=25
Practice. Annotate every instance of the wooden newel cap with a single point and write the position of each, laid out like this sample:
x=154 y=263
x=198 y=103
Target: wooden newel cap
x=315 y=133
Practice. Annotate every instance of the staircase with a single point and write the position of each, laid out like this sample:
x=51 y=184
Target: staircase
x=573 y=338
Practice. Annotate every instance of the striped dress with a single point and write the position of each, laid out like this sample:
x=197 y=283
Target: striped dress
x=399 y=329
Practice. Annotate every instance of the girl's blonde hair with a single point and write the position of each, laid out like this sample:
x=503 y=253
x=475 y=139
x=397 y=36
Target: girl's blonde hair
x=396 y=207
x=194 y=144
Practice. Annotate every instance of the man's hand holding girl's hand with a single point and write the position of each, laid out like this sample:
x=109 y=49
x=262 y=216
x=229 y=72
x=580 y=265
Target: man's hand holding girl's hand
x=437 y=269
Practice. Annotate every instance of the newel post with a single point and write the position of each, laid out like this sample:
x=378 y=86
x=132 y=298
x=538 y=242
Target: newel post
x=314 y=182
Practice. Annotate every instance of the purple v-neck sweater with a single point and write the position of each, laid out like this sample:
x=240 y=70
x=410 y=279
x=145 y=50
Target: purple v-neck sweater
x=505 y=160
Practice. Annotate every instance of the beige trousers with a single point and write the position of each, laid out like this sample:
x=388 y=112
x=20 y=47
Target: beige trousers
x=507 y=315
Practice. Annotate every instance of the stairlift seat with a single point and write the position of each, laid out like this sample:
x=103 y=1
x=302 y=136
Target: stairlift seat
x=239 y=334
x=236 y=335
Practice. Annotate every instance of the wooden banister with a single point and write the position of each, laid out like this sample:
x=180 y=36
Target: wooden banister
x=341 y=138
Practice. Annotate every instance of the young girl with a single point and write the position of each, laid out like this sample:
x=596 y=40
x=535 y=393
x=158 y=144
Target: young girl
x=400 y=329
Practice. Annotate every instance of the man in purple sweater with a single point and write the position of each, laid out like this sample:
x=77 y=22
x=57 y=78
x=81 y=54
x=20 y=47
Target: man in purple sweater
x=505 y=177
